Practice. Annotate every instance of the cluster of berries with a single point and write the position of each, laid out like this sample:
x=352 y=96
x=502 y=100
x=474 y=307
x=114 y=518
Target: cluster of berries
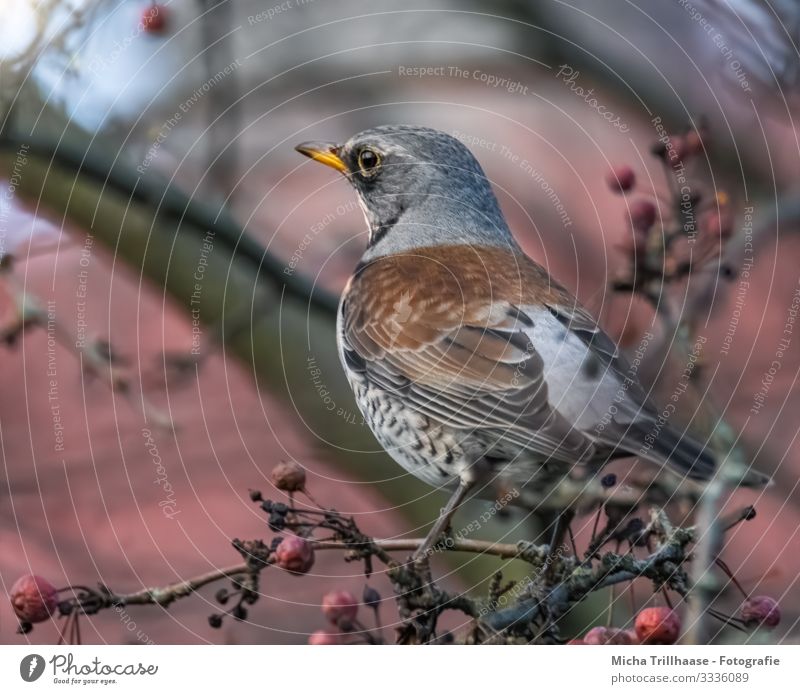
x=655 y=626
x=709 y=219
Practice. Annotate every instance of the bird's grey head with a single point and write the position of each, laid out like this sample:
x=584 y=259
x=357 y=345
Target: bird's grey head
x=418 y=187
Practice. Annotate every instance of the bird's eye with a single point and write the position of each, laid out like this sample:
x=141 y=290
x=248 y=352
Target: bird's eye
x=368 y=161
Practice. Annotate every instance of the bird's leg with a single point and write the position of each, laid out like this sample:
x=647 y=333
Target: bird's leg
x=442 y=521
x=560 y=529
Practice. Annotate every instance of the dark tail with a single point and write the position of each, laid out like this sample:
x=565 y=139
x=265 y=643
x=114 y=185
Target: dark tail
x=684 y=455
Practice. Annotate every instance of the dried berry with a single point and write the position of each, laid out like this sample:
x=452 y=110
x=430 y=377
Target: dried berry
x=339 y=606
x=33 y=598
x=255 y=495
x=621 y=179
x=761 y=611
x=371 y=597
x=222 y=596
x=295 y=554
x=602 y=636
x=249 y=596
x=289 y=477
x=215 y=621
x=658 y=626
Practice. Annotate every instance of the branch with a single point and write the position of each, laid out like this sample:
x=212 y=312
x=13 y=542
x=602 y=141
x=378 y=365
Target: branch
x=165 y=595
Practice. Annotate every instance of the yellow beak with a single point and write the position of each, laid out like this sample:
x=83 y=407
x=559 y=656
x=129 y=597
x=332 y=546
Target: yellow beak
x=324 y=152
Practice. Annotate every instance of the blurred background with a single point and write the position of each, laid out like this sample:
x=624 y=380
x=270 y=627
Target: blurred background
x=170 y=262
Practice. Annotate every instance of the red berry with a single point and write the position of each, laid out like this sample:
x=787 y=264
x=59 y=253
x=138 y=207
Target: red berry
x=621 y=179
x=295 y=554
x=643 y=215
x=601 y=636
x=762 y=611
x=324 y=638
x=33 y=598
x=339 y=606
x=154 y=19
x=658 y=626
x=289 y=477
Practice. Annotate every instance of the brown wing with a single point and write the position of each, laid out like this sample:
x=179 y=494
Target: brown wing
x=442 y=329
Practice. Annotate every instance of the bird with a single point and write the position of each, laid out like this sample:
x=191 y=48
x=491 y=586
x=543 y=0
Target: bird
x=475 y=369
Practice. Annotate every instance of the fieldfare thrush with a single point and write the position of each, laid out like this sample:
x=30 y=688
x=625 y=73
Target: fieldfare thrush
x=473 y=368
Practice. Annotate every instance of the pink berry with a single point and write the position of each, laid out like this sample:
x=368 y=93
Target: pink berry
x=762 y=611
x=324 y=638
x=289 y=477
x=295 y=554
x=154 y=19
x=33 y=598
x=339 y=606
x=601 y=636
x=657 y=626
x=621 y=179
x=643 y=215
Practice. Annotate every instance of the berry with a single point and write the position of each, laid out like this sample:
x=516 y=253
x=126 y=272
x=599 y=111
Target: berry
x=289 y=477
x=255 y=495
x=602 y=636
x=657 y=626
x=339 y=606
x=154 y=19
x=621 y=179
x=33 y=598
x=324 y=638
x=762 y=611
x=643 y=215
x=371 y=597
x=295 y=554
x=221 y=596
x=215 y=621
x=609 y=480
